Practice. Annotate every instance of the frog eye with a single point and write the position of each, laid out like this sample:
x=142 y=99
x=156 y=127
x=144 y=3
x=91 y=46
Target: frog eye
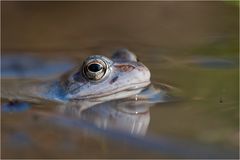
x=94 y=69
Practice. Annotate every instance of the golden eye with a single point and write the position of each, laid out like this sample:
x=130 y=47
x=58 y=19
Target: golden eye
x=95 y=70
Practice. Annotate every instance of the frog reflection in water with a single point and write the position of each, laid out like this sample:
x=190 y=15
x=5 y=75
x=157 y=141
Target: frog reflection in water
x=85 y=90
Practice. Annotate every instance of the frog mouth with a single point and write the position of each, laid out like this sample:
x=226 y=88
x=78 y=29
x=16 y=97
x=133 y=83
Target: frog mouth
x=123 y=92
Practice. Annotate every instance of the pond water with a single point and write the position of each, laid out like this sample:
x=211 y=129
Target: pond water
x=190 y=46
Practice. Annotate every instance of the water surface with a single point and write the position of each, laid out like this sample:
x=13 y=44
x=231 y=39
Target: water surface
x=190 y=46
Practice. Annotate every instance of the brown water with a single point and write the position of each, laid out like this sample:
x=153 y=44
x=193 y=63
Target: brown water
x=192 y=46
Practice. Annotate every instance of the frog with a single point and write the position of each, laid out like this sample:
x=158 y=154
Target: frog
x=98 y=78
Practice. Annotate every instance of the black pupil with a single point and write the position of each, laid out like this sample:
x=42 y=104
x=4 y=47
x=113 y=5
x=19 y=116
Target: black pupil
x=94 y=67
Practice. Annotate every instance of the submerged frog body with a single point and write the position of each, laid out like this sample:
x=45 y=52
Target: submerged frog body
x=98 y=78
x=111 y=94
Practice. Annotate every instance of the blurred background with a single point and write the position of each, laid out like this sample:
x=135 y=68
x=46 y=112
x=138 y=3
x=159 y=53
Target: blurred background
x=75 y=26
x=189 y=45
